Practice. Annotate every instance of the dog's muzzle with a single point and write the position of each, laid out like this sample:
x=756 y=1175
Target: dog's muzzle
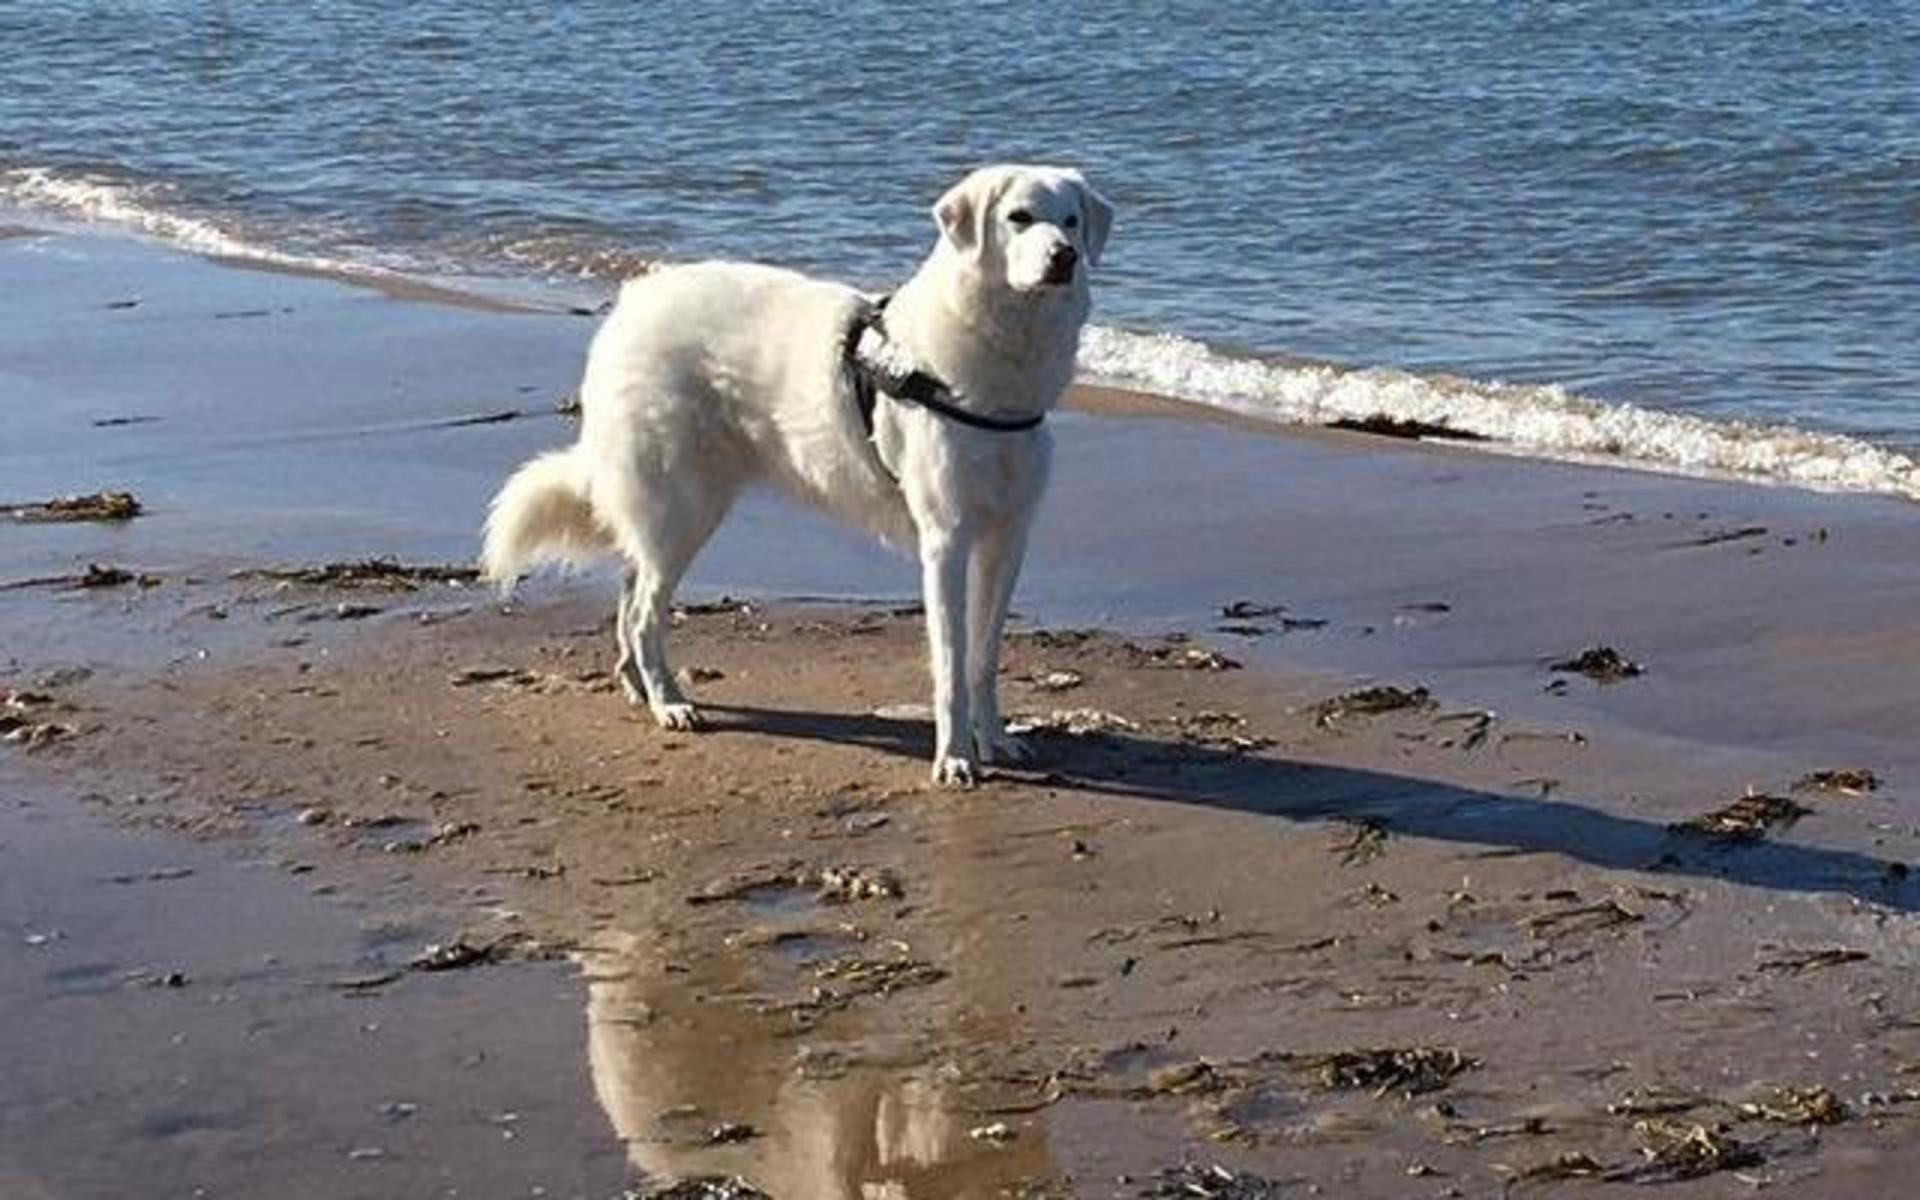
x=1060 y=266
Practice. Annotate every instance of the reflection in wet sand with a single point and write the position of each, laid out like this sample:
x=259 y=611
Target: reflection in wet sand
x=680 y=1068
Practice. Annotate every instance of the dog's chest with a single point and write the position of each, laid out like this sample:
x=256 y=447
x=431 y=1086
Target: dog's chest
x=992 y=475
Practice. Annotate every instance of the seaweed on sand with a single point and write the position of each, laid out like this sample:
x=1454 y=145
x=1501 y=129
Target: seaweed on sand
x=384 y=573
x=1368 y=702
x=94 y=506
x=1408 y=1070
x=1747 y=819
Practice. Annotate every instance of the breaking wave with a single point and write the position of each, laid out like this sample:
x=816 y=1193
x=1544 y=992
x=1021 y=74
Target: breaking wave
x=152 y=210
x=1542 y=420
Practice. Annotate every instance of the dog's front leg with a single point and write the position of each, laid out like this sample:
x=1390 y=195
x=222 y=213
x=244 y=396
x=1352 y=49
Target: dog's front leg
x=994 y=567
x=943 y=583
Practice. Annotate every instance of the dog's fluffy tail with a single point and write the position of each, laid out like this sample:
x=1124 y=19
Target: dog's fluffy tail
x=543 y=514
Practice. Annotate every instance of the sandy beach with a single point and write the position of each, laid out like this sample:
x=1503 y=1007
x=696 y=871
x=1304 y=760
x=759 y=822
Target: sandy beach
x=1353 y=866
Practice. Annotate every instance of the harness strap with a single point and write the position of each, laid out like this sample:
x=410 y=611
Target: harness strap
x=877 y=367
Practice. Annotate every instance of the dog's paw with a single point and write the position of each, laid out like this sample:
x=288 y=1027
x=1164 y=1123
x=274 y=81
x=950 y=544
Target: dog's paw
x=632 y=688
x=950 y=770
x=1004 y=749
x=681 y=717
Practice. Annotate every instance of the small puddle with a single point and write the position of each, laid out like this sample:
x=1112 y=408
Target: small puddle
x=696 y=1083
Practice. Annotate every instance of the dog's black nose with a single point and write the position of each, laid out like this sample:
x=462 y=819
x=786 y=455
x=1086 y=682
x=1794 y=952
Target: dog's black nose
x=1060 y=264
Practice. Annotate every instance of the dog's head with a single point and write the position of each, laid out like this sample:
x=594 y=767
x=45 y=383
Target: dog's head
x=1030 y=229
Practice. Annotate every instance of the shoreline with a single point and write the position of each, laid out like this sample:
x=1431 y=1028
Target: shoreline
x=1141 y=953
x=1842 y=462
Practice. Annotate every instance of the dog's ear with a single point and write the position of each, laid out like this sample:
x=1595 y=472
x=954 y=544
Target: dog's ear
x=1098 y=216
x=962 y=213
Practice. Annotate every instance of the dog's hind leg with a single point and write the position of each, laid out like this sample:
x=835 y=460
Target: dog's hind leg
x=660 y=537
x=627 y=670
x=646 y=609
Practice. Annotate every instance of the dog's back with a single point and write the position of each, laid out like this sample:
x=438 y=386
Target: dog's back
x=705 y=378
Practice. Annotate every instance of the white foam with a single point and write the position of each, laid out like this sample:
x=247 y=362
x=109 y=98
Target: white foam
x=1546 y=421
x=143 y=209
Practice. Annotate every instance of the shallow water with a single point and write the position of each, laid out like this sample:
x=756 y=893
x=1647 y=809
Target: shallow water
x=179 y=1013
x=1701 y=208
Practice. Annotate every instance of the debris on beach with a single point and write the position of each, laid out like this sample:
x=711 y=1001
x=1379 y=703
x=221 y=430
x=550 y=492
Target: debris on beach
x=469 y=676
x=1677 y=1150
x=95 y=576
x=1196 y=1078
x=1602 y=664
x=1409 y=1071
x=1218 y=729
x=365 y=983
x=877 y=977
x=1245 y=631
x=1799 y=962
x=1656 y=1101
x=998 y=1131
x=1191 y=1181
x=841 y=981
x=1814 y=1105
x=1411 y=428
x=1366 y=842
x=383 y=573
x=1248 y=610
x=1747 y=819
x=1607 y=914
x=1248 y=629
x=1464 y=1134
x=454 y=956
x=1184 y=657
x=728 y=1133
x=1715 y=537
x=723 y=606
x=829 y=885
x=488 y=418
x=94 y=506
x=1077 y=722
x=1845 y=781
x=848 y=884
x=448 y=832
x=343 y=611
x=1477 y=725
x=1054 y=681
x=698 y=1187
x=1573 y=1164
x=22 y=725
x=160 y=979
x=1055 y=639
x=1369 y=702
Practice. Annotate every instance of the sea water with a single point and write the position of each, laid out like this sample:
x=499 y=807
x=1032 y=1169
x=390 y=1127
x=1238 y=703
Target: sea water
x=1683 y=235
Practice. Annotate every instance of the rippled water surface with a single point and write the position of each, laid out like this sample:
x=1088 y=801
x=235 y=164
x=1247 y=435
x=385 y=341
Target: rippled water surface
x=1704 y=208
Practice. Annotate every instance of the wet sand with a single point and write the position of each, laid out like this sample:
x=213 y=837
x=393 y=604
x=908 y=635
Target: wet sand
x=800 y=965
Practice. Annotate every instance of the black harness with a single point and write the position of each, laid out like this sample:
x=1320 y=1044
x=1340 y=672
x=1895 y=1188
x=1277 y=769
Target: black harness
x=876 y=368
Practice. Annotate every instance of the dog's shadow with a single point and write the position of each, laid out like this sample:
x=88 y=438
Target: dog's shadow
x=1126 y=764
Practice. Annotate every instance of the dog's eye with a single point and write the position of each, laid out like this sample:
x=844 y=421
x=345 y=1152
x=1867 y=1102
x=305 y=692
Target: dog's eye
x=1072 y=222
x=1020 y=218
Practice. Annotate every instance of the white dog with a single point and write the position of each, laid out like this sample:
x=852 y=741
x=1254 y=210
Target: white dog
x=917 y=418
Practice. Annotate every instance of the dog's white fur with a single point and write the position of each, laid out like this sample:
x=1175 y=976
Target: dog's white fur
x=710 y=377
